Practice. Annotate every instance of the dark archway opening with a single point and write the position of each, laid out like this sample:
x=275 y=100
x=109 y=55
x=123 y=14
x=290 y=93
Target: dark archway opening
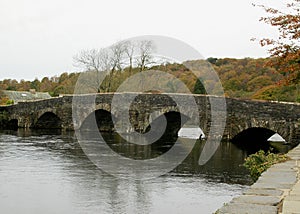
x=175 y=121
x=48 y=120
x=101 y=120
x=9 y=124
x=12 y=124
x=253 y=139
x=123 y=146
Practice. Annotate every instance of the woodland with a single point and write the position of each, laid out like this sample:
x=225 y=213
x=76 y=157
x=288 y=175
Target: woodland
x=241 y=78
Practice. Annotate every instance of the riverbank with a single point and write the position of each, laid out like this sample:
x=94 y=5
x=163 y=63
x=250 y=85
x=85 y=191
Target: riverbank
x=276 y=191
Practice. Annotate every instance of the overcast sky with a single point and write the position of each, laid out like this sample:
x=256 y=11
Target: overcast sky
x=39 y=38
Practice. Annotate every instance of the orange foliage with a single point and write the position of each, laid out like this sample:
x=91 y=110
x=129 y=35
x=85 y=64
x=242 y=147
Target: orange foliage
x=284 y=50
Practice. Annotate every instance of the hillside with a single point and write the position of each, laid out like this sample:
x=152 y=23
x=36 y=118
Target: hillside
x=241 y=78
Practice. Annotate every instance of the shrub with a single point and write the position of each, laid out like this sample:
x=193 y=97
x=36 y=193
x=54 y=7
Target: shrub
x=9 y=102
x=260 y=161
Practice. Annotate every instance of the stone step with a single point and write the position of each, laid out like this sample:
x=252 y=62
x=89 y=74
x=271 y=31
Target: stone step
x=246 y=208
x=264 y=192
x=258 y=199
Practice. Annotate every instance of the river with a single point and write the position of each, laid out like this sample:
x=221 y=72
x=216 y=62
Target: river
x=49 y=173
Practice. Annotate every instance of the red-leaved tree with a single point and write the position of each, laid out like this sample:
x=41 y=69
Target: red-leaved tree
x=285 y=49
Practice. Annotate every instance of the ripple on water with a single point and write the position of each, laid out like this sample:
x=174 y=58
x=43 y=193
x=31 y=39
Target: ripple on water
x=41 y=175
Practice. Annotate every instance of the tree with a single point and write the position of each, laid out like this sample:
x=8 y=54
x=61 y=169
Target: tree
x=63 y=77
x=94 y=60
x=284 y=50
x=199 y=88
x=11 y=84
x=145 y=48
x=24 y=85
x=106 y=61
x=129 y=48
x=35 y=84
x=117 y=54
x=47 y=85
x=3 y=98
x=212 y=60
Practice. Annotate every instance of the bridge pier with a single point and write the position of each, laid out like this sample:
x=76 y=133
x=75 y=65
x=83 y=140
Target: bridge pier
x=279 y=117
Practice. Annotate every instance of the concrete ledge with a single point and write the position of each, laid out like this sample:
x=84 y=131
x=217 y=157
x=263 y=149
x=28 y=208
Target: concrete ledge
x=246 y=208
x=276 y=191
x=258 y=199
x=263 y=192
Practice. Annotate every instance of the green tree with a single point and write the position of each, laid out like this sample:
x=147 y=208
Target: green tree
x=35 y=84
x=212 y=60
x=199 y=88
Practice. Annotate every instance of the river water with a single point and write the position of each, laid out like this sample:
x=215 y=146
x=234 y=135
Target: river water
x=49 y=173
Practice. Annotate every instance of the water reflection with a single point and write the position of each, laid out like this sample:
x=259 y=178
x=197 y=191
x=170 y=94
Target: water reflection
x=43 y=175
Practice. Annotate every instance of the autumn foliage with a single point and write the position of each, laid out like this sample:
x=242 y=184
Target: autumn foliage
x=284 y=50
x=241 y=78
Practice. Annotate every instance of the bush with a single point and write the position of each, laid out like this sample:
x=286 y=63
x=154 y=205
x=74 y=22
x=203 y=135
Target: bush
x=9 y=102
x=260 y=161
x=288 y=93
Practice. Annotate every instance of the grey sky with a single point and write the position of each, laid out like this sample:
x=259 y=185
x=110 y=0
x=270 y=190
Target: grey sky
x=38 y=38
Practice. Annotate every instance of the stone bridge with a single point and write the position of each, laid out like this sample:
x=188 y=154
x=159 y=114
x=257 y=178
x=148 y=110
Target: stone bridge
x=255 y=118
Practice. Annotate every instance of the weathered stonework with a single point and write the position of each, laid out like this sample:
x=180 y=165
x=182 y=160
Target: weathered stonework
x=282 y=118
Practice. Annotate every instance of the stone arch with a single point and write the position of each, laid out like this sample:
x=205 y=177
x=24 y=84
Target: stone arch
x=282 y=127
x=237 y=125
x=100 y=119
x=41 y=112
x=47 y=120
x=103 y=106
x=254 y=134
x=174 y=123
x=286 y=130
x=83 y=112
x=253 y=139
x=154 y=115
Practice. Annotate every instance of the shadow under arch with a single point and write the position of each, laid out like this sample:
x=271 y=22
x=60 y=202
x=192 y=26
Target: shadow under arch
x=9 y=124
x=175 y=121
x=13 y=124
x=48 y=120
x=254 y=139
x=122 y=144
x=99 y=120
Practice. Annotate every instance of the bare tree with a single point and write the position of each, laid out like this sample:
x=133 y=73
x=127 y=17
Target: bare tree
x=129 y=48
x=88 y=59
x=145 y=47
x=117 y=54
x=97 y=61
x=101 y=64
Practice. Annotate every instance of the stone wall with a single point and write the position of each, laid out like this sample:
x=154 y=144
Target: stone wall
x=282 y=118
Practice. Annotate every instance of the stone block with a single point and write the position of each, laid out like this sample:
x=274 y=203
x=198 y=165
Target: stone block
x=244 y=208
x=264 y=192
x=258 y=199
x=291 y=207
